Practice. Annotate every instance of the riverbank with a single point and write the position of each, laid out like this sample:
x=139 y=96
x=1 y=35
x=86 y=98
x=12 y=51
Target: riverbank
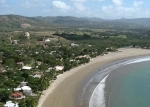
x=62 y=92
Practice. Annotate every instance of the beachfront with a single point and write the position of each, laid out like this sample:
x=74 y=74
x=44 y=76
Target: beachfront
x=62 y=93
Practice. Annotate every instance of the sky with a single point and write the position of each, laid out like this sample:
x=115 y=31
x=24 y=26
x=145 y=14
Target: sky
x=106 y=9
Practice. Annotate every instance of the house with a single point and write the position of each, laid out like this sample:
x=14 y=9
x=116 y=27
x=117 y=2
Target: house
x=49 y=69
x=26 y=90
x=39 y=75
x=26 y=68
x=20 y=63
x=15 y=42
x=17 y=95
x=11 y=104
x=83 y=56
x=46 y=39
x=72 y=60
x=27 y=35
x=79 y=57
x=74 y=45
x=39 y=62
x=59 y=68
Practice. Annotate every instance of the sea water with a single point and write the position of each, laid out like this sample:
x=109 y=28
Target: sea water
x=131 y=86
x=128 y=85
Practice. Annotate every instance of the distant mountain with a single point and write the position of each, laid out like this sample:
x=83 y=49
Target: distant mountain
x=93 y=19
x=64 y=20
x=15 y=22
x=83 y=22
x=93 y=22
x=140 y=21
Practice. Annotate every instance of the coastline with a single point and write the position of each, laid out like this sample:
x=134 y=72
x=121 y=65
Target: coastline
x=62 y=92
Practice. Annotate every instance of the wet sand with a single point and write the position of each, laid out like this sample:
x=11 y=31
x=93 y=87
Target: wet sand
x=64 y=91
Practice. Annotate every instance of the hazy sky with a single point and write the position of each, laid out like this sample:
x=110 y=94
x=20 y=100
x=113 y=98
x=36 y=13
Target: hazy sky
x=108 y=9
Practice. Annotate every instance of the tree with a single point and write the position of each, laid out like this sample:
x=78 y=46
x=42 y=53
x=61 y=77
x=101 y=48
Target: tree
x=10 y=83
x=4 y=95
x=67 y=65
x=22 y=103
x=9 y=62
x=25 y=75
x=31 y=102
x=44 y=83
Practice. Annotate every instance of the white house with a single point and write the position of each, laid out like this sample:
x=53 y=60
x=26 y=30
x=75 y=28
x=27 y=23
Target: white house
x=26 y=68
x=47 y=40
x=37 y=75
x=26 y=88
x=11 y=104
x=74 y=45
x=27 y=35
x=15 y=42
x=59 y=68
x=23 y=88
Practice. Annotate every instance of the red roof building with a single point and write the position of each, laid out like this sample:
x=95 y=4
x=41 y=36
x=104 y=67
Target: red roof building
x=17 y=95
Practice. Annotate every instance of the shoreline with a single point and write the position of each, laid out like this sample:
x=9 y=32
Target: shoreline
x=62 y=92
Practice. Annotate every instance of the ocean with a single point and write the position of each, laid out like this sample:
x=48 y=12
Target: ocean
x=127 y=84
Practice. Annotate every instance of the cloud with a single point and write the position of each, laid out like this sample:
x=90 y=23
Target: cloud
x=123 y=11
x=4 y=4
x=138 y=3
x=33 y=3
x=80 y=7
x=107 y=8
x=27 y=4
x=117 y=2
x=60 y=5
x=81 y=1
x=3 y=1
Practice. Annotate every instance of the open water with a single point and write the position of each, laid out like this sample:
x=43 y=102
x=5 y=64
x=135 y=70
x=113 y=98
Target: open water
x=127 y=85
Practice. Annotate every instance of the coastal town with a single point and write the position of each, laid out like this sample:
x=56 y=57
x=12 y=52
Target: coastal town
x=28 y=70
x=31 y=59
x=74 y=53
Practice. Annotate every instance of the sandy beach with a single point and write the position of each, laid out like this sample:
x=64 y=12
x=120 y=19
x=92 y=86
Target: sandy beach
x=63 y=91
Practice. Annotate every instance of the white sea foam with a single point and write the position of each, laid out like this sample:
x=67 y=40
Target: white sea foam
x=98 y=97
x=137 y=60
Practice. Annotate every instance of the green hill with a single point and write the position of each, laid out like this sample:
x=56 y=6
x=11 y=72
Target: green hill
x=16 y=22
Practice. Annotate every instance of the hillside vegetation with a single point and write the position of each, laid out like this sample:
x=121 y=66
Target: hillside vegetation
x=16 y=22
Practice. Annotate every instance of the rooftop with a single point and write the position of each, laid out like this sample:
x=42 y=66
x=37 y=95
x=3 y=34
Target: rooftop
x=11 y=104
x=26 y=67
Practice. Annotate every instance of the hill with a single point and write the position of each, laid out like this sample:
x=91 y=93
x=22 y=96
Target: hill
x=93 y=22
x=140 y=21
x=16 y=22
